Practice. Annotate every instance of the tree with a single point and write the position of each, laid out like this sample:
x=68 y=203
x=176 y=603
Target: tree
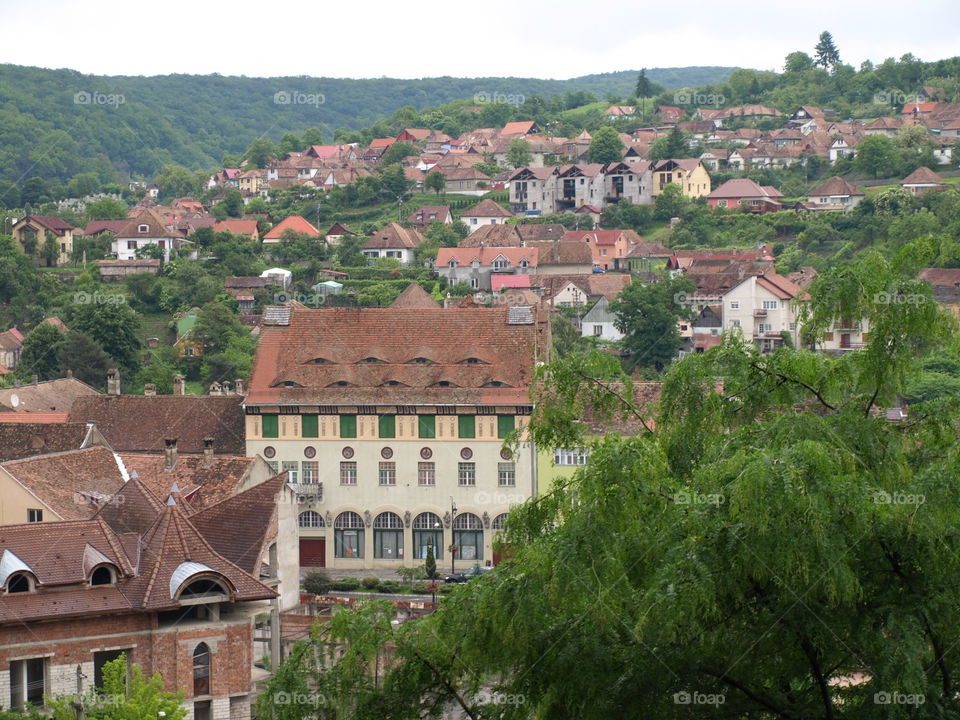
x=83 y=356
x=107 y=209
x=677 y=145
x=112 y=324
x=34 y=191
x=644 y=89
x=518 y=155
x=312 y=136
x=797 y=62
x=176 y=181
x=260 y=152
x=430 y=563
x=394 y=182
x=648 y=315
x=435 y=181
x=670 y=203
x=397 y=152
x=876 y=155
x=289 y=143
x=216 y=326
x=9 y=195
x=827 y=55
x=124 y=696
x=317 y=582
x=38 y=356
x=606 y=146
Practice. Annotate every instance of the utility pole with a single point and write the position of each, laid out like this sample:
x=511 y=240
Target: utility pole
x=453 y=545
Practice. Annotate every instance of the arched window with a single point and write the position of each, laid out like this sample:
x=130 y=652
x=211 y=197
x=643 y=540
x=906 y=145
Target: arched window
x=388 y=536
x=201 y=670
x=20 y=582
x=427 y=531
x=310 y=519
x=348 y=535
x=103 y=575
x=203 y=588
x=499 y=521
x=468 y=536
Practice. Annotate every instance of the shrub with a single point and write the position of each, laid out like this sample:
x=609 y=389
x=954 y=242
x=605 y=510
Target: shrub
x=346 y=584
x=370 y=583
x=447 y=588
x=389 y=586
x=317 y=582
x=421 y=588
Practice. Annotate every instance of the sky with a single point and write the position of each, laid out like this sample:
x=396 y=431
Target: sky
x=500 y=38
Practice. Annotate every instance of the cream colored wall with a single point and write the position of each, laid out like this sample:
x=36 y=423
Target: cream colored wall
x=15 y=500
x=486 y=496
x=750 y=295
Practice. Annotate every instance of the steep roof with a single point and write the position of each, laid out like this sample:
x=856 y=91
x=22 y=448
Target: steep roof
x=201 y=483
x=70 y=483
x=48 y=396
x=835 y=186
x=744 y=188
x=94 y=227
x=607 y=284
x=237 y=226
x=500 y=235
x=486 y=255
x=26 y=439
x=561 y=252
x=922 y=176
x=296 y=223
x=406 y=356
x=148 y=217
x=487 y=208
x=518 y=127
x=48 y=222
x=393 y=235
x=414 y=296
x=189 y=418
x=540 y=231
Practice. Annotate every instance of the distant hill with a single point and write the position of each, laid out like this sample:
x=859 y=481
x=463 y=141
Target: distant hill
x=56 y=123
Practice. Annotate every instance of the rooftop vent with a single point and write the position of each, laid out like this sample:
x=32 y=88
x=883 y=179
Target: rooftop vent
x=520 y=315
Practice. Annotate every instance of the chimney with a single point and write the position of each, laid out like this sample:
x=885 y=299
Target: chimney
x=113 y=381
x=150 y=389
x=179 y=385
x=69 y=373
x=238 y=386
x=170 y=453
x=207 y=452
x=34 y=379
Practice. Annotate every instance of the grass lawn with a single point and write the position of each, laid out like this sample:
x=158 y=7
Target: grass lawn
x=195 y=387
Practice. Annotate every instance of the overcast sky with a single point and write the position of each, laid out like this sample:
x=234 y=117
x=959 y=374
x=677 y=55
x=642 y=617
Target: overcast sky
x=364 y=38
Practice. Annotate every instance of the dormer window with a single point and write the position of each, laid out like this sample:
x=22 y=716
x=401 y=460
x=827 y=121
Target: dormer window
x=340 y=383
x=472 y=361
x=318 y=361
x=452 y=264
x=371 y=359
x=422 y=361
x=444 y=383
x=496 y=384
x=394 y=383
x=524 y=263
x=21 y=582
x=103 y=575
x=500 y=263
x=143 y=228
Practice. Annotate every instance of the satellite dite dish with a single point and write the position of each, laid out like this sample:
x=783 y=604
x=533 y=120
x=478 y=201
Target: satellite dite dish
x=15 y=400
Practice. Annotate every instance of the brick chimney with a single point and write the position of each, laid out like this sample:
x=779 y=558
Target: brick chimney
x=207 y=452
x=179 y=385
x=170 y=453
x=150 y=389
x=113 y=381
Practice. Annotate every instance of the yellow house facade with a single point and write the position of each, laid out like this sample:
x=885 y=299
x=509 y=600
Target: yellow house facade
x=689 y=174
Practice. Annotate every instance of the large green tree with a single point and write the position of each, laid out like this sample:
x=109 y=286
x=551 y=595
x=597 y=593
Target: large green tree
x=826 y=51
x=648 y=314
x=39 y=353
x=606 y=146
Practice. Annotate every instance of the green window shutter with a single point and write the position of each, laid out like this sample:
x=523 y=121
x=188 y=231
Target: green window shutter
x=388 y=426
x=310 y=425
x=467 y=426
x=427 y=426
x=504 y=425
x=271 y=426
x=348 y=426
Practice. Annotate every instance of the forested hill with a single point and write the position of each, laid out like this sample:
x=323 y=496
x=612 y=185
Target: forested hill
x=56 y=123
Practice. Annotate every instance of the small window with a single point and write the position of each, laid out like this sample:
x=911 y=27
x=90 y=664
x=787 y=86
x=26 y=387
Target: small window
x=271 y=426
x=19 y=583
x=34 y=515
x=348 y=473
x=131 y=244
x=388 y=473
x=427 y=426
x=467 y=426
x=506 y=474
x=387 y=426
x=505 y=425
x=142 y=228
x=467 y=474
x=318 y=361
x=310 y=519
x=735 y=305
x=597 y=330
x=310 y=426
x=99 y=660
x=292 y=469
x=771 y=304
x=103 y=575
x=348 y=426
x=426 y=473
x=201 y=670
x=570 y=456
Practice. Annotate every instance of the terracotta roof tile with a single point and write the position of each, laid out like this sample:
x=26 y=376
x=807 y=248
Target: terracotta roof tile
x=414 y=296
x=21 y=440
x=296 y=223
x=49 y=396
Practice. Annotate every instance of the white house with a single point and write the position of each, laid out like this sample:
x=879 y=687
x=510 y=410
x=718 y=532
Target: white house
x=393 y=241
x=146 y=228
x=485 y=212
x=764 y=309
x=599 y=322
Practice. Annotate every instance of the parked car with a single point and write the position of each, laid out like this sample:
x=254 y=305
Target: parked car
x=469 y=574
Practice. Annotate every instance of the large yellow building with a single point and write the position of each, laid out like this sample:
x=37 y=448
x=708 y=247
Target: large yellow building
x=392 y=424
x=689 y=174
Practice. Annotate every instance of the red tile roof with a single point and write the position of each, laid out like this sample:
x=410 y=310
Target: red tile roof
x=296 y=223
x=738 y=188
x=487 y=208
x=237 y=226
x=33 y=417
x=322 y=349
x=414 y=296
x=922 y=176
x=393 y=235
x=25 y=439
x=486 y=255
x=835 y=186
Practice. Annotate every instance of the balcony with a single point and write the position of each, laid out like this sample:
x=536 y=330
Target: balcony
x=309 y=492
x=759 y=312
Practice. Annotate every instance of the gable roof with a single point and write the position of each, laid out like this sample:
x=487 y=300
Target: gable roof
x=48 y=396
x=487 y=208
x=422 y=214
x=237 y=226
x=500 y=235
x=414 y=296
x=445 y=339
x=95 y=227
x=70 y=483
x=540 y=231
x=744 y=188
x=922 y=176
x=189 y=418
x=26 y=439
x=486 y=255
x=146 y=216
x=835 y=186
x=393 y=235
x=296 y=223
x=562 y=252
x=518 y=127
x=48 y=222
